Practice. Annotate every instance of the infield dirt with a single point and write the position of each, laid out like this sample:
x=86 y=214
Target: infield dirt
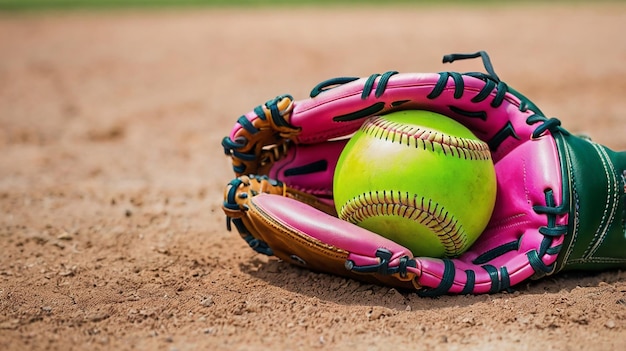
x=112 y=176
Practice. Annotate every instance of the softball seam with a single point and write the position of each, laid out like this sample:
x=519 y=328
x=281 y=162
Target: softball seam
x=413 y=207
x=426 y=139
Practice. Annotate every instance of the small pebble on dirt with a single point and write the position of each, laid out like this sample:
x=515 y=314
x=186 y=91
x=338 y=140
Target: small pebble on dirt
x=207 y=301
x=64 y=236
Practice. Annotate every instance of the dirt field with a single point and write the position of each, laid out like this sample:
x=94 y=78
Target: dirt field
x=112 y=176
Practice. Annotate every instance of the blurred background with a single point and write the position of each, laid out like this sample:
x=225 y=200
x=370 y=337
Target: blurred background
x=48 y=4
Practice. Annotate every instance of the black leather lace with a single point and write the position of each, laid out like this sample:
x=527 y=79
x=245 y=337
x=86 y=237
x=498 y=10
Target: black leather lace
x=231 y=204
x=233 y=147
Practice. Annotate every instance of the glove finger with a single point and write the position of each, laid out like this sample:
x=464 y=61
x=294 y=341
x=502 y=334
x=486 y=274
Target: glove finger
x=302 y=235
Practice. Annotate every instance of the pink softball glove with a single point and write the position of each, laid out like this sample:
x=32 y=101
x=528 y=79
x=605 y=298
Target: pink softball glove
x=560 y=204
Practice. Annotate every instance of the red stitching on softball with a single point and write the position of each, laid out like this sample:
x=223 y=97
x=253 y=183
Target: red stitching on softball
x=390 y=203
x=394 y=132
